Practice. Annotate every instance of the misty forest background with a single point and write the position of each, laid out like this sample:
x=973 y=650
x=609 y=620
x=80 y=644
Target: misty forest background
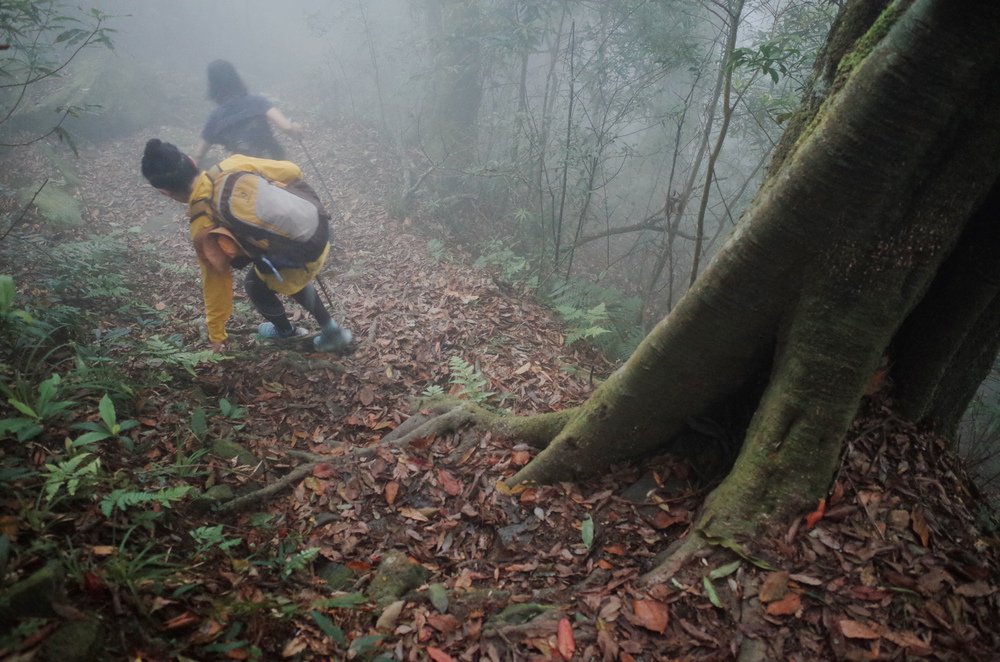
x=585 y=160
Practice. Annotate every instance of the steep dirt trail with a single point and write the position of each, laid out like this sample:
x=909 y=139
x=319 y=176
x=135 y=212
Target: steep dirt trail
x=881 y=574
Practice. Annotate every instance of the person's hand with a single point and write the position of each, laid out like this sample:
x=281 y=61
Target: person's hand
x=217 y=347
x=295 y=130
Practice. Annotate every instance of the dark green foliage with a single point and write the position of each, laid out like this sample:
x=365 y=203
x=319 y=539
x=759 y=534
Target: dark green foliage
x=44 y=37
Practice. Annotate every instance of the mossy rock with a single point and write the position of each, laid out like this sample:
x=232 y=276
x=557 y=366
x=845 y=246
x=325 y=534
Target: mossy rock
x=75 y=641
x=337 y=576
x=395 y=577
x=116 y=97
x=33 y=596
x=227 y=450
x=481 y=600
x=212 y=497
x=54 y=204
x=516 y=614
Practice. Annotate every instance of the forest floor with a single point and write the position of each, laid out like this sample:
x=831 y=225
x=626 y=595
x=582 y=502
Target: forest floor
x=896 y=565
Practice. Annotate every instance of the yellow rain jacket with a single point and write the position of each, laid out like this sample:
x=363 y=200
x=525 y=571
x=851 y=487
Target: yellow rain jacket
x=216 y=246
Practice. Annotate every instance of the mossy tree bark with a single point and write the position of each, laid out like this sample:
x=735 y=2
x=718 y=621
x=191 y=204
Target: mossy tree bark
x=947 y=345
x=842 y=242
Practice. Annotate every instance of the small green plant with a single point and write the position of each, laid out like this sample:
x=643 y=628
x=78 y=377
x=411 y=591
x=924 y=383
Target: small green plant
x=471 y=382
x=598 y=314
x=432 y=391
x=169 y=352
x=90 y=269
x=437 y=250
x=585 y=324
x=36 y=409
x=292 y=563
x=107 y=427
x=7 y=295
x=94 y=372
x=496 y=255
x=123 y=499
x=79 y=470
x=189 y=466
x=199 y=424
x=143 y=568
x=208 y=537
x=231 y=411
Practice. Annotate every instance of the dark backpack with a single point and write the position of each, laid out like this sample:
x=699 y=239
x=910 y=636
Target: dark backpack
x=279 y=226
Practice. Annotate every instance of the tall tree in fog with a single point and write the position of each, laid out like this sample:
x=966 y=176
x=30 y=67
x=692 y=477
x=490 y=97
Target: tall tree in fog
x=874 y=233
x=456 y=88
x=622 y=130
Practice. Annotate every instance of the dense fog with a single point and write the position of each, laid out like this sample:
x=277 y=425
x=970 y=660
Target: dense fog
x=611 y=145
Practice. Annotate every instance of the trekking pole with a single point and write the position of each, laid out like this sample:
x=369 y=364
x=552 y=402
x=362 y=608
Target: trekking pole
x=326 y=293
x=319 y=173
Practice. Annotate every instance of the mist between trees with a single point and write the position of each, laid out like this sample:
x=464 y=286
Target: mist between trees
x=610 y=145
x=688 y=184
x=596 y=153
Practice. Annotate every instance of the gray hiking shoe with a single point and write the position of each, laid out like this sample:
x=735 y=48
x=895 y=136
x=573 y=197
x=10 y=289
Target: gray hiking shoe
x=268 y=330
x=334 y=338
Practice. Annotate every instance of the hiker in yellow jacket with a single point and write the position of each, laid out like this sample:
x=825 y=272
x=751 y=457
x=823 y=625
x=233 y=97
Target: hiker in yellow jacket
x=219 y=250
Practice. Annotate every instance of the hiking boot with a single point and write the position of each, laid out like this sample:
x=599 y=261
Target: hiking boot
x=334 y=338
x=270 y=331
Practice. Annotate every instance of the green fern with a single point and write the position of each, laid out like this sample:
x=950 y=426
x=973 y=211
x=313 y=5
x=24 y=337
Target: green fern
x=167 y=351
x=585 y=324
x=432 y=391
x=473 y=384
x=496 y=255
x=211 y=536
x=297 y=561
x=124 y=499
x=437 y=250
x=598 y=314
x=90 y=269
x=77 y=471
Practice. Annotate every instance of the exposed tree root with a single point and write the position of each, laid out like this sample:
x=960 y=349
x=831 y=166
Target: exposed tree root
x=439 y=417
x=676 y=559
x=448 y=415
x=257 y=496
x=442 y=418
x=296 y=474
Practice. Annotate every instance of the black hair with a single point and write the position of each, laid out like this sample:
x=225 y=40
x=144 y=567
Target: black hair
x=223 y=82
x=167 y=167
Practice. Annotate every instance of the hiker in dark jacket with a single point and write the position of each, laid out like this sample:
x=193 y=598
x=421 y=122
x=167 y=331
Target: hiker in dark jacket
x=219 y=249
x=241 y=121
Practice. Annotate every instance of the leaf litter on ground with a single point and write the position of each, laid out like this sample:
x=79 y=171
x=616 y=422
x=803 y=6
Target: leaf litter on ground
x=892 y=565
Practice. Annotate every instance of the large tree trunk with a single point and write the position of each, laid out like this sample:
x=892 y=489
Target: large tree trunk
x=842 y=241
x=946 y=347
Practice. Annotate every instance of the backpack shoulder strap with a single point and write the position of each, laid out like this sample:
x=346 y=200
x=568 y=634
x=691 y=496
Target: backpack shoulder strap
x=206 y=206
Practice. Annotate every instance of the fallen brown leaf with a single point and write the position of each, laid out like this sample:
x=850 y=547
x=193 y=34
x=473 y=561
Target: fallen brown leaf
x=566 y=643
x=977 y=589
x=774 y=587
x=651 y=614
x=439 y=655
x=390 y=491
x=449 y=483
x=366 y=395
x=787 y=606
x=919 y=524
x=854 y=630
